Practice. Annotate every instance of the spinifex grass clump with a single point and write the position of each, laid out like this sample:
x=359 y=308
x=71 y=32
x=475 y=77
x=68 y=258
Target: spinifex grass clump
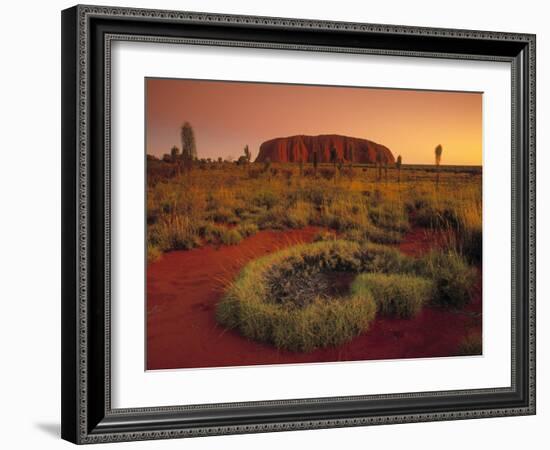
x=397 y=295
x=173 y=233
x=262 y=308
x=452 y=276
x=458 y=215
x=304 y=297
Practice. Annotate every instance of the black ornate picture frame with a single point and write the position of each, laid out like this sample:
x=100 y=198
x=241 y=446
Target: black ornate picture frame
x=87 y=35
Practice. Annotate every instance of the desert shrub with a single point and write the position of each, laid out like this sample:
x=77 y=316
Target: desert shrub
x=349 y=215
x=153 y=253
x=453 y=277
x=174 y=233
x=315 y=195
x=344 y=213
x=231 y=236
x=471 y=345
x=247 y=229
x=437 y=216
x=153 y=207
x=389 y=216
x=211 y=232
x=249 y=212
x=223 y=215
x=458 y=213
x=381 y=258
x=265 y=198
x=273 y=219
x=299 y=215
x=397 y=295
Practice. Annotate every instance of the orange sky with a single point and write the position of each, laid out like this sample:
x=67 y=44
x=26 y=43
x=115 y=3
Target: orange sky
x=228 y=115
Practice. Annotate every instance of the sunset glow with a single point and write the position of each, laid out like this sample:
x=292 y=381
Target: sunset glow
x=226 y=116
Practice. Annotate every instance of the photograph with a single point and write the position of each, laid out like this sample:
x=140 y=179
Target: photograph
x=298 y=223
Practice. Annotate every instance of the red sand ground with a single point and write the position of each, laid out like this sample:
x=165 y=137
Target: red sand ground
x=183 y=288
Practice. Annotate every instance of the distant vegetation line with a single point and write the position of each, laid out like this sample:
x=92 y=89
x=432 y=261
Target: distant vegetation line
x=454 y=168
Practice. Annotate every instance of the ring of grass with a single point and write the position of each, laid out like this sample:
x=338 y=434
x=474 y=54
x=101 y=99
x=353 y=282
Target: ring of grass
x=397 y=295
x=249 y=307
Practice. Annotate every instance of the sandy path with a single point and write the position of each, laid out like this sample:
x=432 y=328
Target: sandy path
x=184 y=287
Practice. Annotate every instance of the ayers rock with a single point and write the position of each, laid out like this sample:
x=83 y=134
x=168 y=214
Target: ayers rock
x=348 y=149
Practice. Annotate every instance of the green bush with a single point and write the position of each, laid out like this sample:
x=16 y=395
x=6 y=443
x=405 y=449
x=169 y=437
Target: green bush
x=211 y=232
x=453 y=277
x=153 y=253
x=397 y=295
x=298 y=216
x=265 y=198
x=381 y=258
x=273 y=219
x=174 y=233
x=224 y=215
x=389 y=217
x=247 y=229
x=231 y=236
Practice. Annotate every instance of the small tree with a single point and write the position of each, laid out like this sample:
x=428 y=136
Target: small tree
x=188 y=145
x=174 y=154
x=438 y=152
x=386 y=170
x=398 y=167
x=247 y=154
x=176 y=159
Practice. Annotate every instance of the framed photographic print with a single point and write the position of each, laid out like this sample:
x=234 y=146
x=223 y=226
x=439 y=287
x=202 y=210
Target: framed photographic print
x=280 y=224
